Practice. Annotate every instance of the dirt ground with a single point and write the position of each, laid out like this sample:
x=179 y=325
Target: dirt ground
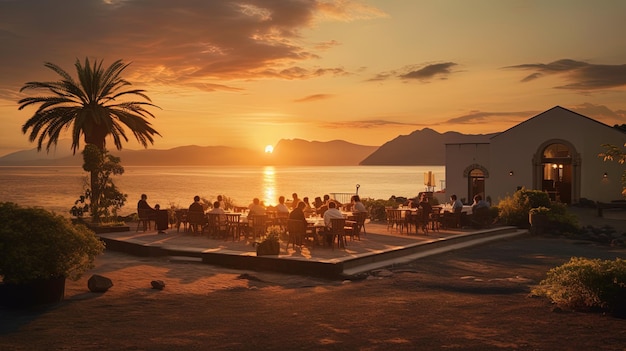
x=472 y=299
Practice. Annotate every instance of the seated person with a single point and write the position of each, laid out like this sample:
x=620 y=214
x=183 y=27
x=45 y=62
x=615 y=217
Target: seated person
x=298 y=213
x=196 y=205
x=357 y=205
x=318 y=202
x=332 y=212
x=296 y=200
x=479 y=203
x=143 y=203
x=219 y=210
x=456 y=204
x=281 y=207
x=256 y=208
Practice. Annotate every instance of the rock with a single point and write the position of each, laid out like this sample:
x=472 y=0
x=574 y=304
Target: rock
x=157 y=284
x=98 y=283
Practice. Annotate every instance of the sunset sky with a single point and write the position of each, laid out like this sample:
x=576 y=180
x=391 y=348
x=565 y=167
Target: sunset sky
x=251 y=72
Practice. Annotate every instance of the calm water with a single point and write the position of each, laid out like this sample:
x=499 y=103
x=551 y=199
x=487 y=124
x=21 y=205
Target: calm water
x=56 y=188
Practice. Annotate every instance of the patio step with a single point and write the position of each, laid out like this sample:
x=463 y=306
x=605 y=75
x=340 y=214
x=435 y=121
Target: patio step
x=436 y=246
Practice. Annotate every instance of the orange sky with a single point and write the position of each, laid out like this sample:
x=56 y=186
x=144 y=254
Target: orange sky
x=248 y=73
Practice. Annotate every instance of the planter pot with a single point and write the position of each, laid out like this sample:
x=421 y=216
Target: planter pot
x=268 y=248
x=35 y=293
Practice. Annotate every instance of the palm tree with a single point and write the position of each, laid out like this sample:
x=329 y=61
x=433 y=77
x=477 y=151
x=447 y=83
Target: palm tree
x=89 y=107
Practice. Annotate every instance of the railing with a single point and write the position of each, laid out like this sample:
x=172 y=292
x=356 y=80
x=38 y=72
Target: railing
x=342 y=197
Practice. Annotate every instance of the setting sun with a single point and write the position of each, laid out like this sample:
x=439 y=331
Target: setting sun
x=269 y=149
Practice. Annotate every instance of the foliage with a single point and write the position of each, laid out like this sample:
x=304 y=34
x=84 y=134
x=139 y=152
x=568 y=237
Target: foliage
x=540 y=210
x=376 y=208
x=583 y=284
x=105 y=198
x=513 y=210
x=91 y=106
x=615 y=153
x=37 y=244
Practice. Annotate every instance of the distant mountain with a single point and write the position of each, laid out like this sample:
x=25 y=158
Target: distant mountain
x=286 y=152
x=424 y=147
x=300 y=152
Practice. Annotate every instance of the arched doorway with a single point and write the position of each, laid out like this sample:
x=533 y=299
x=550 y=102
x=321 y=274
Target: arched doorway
x=557 y=171
x=476 y=175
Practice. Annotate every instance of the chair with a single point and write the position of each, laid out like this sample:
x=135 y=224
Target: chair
x=216 y=225
x=360 y=218
x=233 y=221
x=196 y=220
x=297 y=231
x=181 y=218
x=351 y=229
x=481 y=218
x=394 y=218
x=435 y=218
x=258 y=225
x=281 y=219
x=452 y=219
x=145 y=216
x=337 y=230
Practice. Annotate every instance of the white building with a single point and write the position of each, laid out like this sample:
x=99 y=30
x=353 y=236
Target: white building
x=555 y=151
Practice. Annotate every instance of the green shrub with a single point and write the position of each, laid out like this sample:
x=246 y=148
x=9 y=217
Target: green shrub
x=376 y=208
x=37 y=244
x=513 y=210
x=586 y=284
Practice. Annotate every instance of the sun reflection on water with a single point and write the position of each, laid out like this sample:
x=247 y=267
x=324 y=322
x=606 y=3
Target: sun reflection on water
x=269 y=185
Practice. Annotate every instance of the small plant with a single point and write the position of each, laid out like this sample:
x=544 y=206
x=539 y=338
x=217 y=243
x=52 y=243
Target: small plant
x=270 y=245
x=586 y=284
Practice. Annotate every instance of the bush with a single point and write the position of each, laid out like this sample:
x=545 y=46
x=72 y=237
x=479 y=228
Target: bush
x=586 y=284
x=37 y=244
x=376 y=208
x=513 y=210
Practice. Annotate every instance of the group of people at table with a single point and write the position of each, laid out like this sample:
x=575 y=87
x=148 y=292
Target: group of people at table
x=420 y=213
x=316 y=216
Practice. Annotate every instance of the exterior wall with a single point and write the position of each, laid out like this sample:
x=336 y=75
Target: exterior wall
x=513 y=157
x=458 y=158
x=514 y=150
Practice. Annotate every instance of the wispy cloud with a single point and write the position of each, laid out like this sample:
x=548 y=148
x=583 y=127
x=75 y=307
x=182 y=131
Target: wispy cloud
x=583 y=76
x=422 y=73
x=314 y=97
x=367 y=124
x=600 y=112
x=481 y=117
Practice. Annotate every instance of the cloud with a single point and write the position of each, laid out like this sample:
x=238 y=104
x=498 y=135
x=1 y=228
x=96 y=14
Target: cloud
x=170 y=42
x=367 y=124
x=601 y=112
x=314 y=97
x=423 y=73
x=583 y=76
x=480 y=117
x=430 y=71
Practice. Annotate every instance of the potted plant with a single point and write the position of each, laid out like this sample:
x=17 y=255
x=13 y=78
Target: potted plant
x=38 y=251
x=270 y=245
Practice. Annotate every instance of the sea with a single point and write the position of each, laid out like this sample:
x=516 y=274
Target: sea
x=57 y=188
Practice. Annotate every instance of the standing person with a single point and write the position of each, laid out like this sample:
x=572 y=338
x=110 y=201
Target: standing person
x=196 y=205
x=427 y=209
x=162 y=219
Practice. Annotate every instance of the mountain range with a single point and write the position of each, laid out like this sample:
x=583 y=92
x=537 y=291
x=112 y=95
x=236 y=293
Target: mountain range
x=421 y=147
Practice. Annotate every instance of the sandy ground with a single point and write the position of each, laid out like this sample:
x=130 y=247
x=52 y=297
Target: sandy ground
x=472 y=299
